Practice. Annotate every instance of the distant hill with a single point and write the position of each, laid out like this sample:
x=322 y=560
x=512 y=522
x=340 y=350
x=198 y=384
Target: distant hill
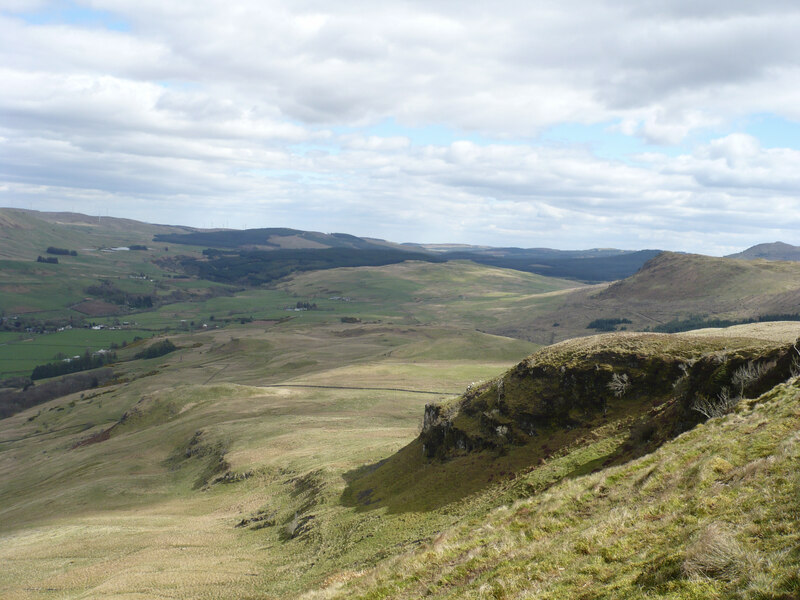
x=589 y=266
x=672 y=292
x=272 y=238
x=511 y=251
x=26 y=233
x=592 y=266
x=679 y=277
x=773 y=251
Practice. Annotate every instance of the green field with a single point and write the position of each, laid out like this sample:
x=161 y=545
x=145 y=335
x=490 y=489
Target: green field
x=20 y=353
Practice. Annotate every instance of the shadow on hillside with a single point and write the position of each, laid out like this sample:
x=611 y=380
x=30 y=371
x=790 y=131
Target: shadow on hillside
x=410 y=482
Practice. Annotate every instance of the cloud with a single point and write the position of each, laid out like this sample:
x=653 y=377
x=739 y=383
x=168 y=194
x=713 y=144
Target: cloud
x=262 y=113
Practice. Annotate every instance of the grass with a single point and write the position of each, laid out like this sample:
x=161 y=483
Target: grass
x=20 y=353
x=279 y=458
x=690 y=520
x=140 y=514
x=128 y=519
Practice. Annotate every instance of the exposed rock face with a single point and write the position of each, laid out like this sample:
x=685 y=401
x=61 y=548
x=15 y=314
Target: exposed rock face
x=572 y=384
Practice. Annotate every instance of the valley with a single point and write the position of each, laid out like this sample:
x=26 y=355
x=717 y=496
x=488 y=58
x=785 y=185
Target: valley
x=420 y=428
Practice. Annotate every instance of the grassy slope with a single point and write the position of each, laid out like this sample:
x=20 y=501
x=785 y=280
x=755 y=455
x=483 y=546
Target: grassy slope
x=558 y=401
x=460 y=293
x=130 y=516
x=668 y=287
x=712 y=514
x=128 y=520
x=673 y=277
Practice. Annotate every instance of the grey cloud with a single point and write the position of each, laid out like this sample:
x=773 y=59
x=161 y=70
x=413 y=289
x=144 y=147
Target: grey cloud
x=229 y=106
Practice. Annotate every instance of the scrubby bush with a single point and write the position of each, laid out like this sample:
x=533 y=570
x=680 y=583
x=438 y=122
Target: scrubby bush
x=721 y=406
x=619 y=384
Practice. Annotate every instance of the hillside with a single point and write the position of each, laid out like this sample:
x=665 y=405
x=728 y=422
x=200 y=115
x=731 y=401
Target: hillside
x=252 y=461
x=709 y=514
x=687 y=291
x=26 y=233
x=773 y=251
x=272 y=238
x=643 y=387
x=672 y=277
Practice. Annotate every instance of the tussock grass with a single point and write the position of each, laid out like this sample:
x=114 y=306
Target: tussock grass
x=717 y=554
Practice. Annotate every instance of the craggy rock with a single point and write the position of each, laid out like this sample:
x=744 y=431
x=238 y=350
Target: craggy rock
x=569 y=384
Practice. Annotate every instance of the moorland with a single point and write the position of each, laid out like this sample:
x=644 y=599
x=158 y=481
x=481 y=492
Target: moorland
x=295 y=414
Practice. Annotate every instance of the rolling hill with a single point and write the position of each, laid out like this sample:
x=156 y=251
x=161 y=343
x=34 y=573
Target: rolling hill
x=773 y=251
x=394 y=430
x=672 y=289
x=272 y=238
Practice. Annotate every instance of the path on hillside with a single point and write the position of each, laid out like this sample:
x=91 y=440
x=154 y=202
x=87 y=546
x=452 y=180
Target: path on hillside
x=374 y=389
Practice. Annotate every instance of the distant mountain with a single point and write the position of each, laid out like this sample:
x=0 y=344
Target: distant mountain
x=773 y=251
x=528 y=253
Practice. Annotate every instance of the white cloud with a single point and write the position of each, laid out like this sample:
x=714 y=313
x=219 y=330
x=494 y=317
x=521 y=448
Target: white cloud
x=262 y=111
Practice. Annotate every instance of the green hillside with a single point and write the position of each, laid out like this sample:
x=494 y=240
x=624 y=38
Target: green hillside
x=252 y=463
x=711 y=514
x=668 y=288
x=386 y=432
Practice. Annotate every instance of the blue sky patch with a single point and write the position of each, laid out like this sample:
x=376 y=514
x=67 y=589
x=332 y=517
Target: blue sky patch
x=70 y=13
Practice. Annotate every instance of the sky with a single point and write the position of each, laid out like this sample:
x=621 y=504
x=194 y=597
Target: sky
x=571 y=124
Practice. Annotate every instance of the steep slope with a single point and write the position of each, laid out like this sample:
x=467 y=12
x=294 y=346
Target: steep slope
x=638 y=390
x=773 y=251
x=711 y=514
